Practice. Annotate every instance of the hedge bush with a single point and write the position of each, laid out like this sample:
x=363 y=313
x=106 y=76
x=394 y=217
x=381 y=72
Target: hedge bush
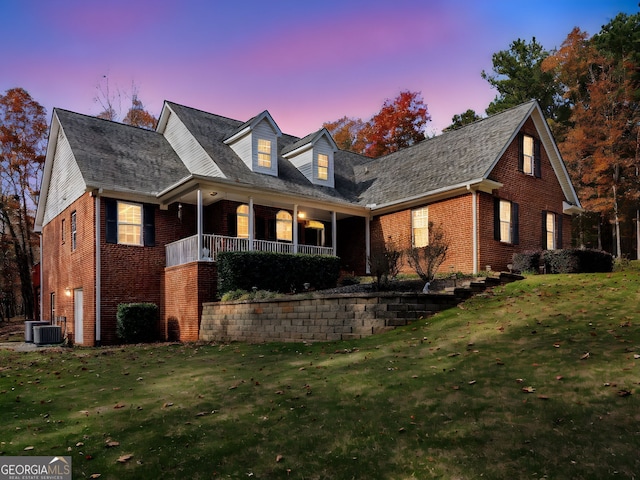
x=564 y=261
x=527 y=261
x=584 y=261
x=137 y=322
x=277 y=272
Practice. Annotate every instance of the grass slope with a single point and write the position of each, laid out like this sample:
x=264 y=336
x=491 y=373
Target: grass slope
x=538 y=379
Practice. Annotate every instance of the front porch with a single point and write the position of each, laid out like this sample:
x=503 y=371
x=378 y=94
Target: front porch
x=206 y=247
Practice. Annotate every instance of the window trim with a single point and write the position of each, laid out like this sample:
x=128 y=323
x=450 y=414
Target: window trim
x=284 y=225
x=123 y=223
x=111 y=223
x=424 y=218
x=74 y=230
x=534 y=158
x=556 y=243
x=322 y=167
x=514 y=222
x=264 y=155
x=241 y=213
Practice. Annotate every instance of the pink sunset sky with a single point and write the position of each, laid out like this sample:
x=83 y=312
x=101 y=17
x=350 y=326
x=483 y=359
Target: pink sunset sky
x=305 y=62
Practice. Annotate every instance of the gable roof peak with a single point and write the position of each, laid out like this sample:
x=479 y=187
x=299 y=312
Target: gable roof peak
x=308 y=141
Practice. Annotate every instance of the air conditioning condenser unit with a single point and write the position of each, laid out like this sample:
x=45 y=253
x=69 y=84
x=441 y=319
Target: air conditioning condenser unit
x=47 y=334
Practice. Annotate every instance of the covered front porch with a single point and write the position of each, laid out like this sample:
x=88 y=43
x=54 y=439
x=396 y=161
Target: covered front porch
x=216 y=220
x=188 y=249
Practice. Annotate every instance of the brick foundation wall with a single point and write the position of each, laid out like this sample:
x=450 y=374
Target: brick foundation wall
x=338 y=317
x=185 y=289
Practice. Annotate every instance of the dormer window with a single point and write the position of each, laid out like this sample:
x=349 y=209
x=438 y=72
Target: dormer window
x=256 y=143
x=264 y=153
x=313 y=156
x=323 y=167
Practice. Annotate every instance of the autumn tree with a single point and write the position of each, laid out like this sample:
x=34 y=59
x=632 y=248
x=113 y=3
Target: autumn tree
x=518 y=77
x=23 y=129
x=347 y=133
x=600 y=148
x=461 y=119
x=400 y=123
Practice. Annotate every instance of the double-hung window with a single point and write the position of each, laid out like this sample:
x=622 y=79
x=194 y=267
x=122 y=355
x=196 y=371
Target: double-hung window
x=323 y=166
x=551 y=230
x=420 y=227
x=506 y=224
x=264 y=153
x=129 y=223
x=529 y=155
x=74 y=230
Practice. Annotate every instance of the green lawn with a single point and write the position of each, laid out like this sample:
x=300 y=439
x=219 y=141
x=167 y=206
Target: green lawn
x=538 y=379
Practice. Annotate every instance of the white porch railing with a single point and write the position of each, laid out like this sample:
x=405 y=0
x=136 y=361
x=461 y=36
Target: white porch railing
x=186 y=250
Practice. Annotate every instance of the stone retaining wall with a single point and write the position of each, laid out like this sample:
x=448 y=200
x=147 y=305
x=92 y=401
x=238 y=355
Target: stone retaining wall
x=320 y=318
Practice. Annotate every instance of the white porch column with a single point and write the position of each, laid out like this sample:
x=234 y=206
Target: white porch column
x=199 y=224
x=251 y=224
x=334 y=231
x=295 y=228
x=367 y=242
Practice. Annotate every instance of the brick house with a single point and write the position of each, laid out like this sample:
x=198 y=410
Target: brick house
x=131 y=215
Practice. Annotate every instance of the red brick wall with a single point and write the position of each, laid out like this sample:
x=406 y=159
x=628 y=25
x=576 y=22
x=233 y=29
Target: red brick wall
x=132 y=273
x=453 y=215
x=532 y=194
x=65 y=270
x=185 y=288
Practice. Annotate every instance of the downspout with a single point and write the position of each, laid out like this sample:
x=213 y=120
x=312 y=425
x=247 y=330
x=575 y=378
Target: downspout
x=98 y=285
x=40 y=302
x=367 y=243
x=474 y=227
x=334 y=232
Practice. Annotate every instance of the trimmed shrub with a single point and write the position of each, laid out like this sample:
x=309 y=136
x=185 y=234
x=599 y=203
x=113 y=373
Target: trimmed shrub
x=137 y=322
x=276 y=272
x=526 y=261
x=577 y=261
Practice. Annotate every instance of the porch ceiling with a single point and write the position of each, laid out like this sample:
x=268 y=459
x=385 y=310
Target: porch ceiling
x=211 y=196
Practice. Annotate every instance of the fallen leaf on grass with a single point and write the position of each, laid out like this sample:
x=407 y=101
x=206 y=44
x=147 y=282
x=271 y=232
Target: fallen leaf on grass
x=279 y=458
x=111 y=444
x=543 y=397
x=585 y=356
x=472 y=382
x=167 y=404
x=85 y=412
x=119 y=405
x=95 y=475
x=528 y=389
x=26 y=449
x=80 y=444
x=124 y=458
x=624 y=393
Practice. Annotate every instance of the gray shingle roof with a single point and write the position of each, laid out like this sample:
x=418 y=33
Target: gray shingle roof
x=124 y=158
x=210 y=131
x=120 y=157
x=452 y=158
